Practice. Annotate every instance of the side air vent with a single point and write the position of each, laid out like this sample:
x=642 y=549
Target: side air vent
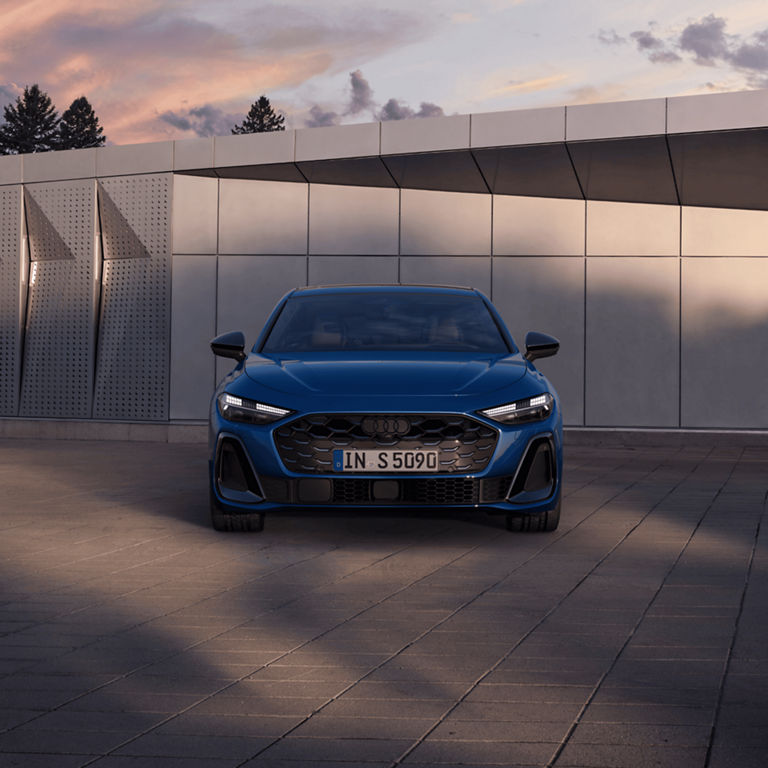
x=535 y=479
x=235 y=478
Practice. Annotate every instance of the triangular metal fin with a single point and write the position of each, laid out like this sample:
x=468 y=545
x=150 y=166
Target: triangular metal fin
x=118 y=240
x=45 y=243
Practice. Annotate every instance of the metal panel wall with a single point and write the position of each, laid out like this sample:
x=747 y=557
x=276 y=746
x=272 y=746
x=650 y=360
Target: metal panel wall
x=538 y=226
x=724 y=328
x=632 y=229
x=58 y=340
x=265 y=217
x=10 y=280
x=444 y=223
x=547 y=294
x=632 y=342
x=195 y=214
x=352 y=269
x=469 y=271
x=247 y=290
x=193 y=325
x=134 y=324
x=352 y=220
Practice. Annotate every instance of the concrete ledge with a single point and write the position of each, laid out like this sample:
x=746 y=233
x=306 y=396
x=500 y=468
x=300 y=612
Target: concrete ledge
x=663 y=438
x=131 y=431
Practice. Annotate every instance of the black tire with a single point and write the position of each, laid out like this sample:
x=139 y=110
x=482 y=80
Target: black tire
x=540 y=521
x=244 y=522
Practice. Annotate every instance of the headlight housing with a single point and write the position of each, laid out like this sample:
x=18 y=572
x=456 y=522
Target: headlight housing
x=235 y=408
x=536 y=408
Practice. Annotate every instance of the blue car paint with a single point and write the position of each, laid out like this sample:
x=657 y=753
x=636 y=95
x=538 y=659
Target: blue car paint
x=384 y=382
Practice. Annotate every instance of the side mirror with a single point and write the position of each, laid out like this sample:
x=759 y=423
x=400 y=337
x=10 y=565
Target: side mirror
x=230 y=344
x=540 y=345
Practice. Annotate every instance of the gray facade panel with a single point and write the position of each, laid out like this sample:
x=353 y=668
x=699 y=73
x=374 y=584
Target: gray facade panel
x=153 y=157
x=190 y=154
x=444 y=223
x=538 y=226
x=10 y=287
x=519 y=126
x=632 y=229
x=427 y=134
x=351 y=220
x=193 y=325
x=644 y=117
x=547 y=295
x=467 y=271
x=330 y=270
x=357 y=140
x=632 y=349
x=134 y=325
x=625 y=170
x=195 y=214
x=724 y=232
x=717 y=111
x=250 y=286
x=61 y=165
x=254 y=148
x=267 y=217
x=542 y=170
x=724 y=332
x=57 y=376
x=10 y=168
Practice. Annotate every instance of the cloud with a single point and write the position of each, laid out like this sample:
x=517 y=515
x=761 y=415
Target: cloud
x=145 y=65
x=361 y=97
x=428 y=109
x=610 y=37
x=361 y=100
x=394 y=109
x=653 y=46
x=707 y=41
x=9 y=93
x=203 y=121
x=319 y=117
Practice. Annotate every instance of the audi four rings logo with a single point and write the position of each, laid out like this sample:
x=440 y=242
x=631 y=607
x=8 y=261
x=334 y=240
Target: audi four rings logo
x=385 y=425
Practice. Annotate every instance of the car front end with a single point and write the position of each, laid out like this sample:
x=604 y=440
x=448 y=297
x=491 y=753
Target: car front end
x=428 y=429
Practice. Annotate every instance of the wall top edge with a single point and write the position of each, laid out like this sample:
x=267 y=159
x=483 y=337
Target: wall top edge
x=701 y=113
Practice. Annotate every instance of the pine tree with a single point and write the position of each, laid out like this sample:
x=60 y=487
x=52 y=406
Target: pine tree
x=261 y=118
x=80 y=127
x=31 y=125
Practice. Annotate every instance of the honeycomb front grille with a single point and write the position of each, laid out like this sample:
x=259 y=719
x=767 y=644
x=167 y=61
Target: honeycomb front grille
x=464 y=445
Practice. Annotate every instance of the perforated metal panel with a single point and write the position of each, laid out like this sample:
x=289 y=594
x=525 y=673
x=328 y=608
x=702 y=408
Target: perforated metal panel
x=118 y=240
x=134 y=324
x=10 y=269
x=58 y=340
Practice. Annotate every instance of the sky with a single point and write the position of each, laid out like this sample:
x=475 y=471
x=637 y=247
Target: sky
x=174 y=69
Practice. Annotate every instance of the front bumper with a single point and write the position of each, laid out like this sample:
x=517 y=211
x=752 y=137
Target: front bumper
x=524 y=476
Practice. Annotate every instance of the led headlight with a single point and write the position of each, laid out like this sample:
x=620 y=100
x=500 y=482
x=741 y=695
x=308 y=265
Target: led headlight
x=234 y=408
x=535 y=408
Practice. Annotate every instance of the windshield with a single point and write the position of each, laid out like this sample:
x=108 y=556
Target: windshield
x=410 y=320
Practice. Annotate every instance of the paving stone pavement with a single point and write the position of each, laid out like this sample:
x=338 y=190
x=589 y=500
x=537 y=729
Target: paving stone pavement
x=134 y=636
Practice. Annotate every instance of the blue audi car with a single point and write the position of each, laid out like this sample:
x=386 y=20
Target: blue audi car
x=385 y=396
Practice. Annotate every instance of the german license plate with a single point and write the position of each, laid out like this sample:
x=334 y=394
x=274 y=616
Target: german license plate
x=384 y=461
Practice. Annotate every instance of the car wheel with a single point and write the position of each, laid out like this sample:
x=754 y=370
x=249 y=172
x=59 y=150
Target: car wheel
x=540 y=521
x=245 y=521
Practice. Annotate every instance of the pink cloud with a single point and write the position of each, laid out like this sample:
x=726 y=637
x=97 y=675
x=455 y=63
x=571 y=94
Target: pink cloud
x=139 y=60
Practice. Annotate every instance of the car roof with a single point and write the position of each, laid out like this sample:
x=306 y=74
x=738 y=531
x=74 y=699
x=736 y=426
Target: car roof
x=382 y=288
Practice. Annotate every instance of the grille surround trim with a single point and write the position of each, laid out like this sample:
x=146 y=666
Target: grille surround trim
x=306 y=443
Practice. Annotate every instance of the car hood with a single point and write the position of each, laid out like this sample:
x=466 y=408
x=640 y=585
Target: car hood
x=386 y=375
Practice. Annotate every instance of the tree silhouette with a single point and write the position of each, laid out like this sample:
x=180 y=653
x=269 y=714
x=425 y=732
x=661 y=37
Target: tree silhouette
x=79 y=127
x=261 y=118
x=31 y=124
